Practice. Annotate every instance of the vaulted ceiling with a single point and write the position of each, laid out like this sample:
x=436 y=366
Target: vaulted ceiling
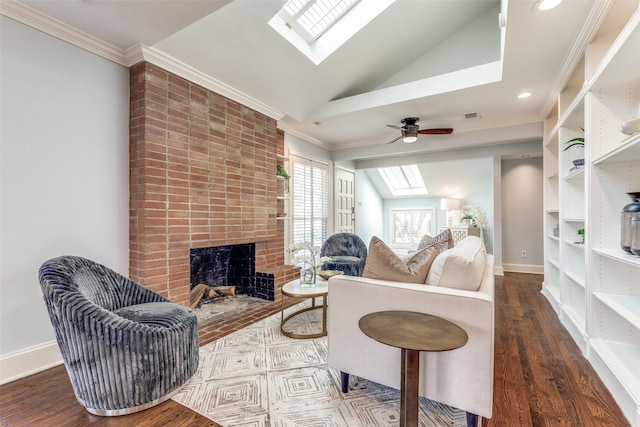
x=433 y=59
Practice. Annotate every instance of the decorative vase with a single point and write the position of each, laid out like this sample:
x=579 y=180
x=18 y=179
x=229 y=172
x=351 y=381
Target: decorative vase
x=625 y=220
x=635 y=234
x=307 y=277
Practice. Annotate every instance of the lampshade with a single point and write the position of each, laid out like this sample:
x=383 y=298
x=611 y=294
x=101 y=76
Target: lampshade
x=410 y=137
x=450 y=204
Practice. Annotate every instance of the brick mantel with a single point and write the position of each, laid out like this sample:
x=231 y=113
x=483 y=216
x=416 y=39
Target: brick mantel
x=202 y=174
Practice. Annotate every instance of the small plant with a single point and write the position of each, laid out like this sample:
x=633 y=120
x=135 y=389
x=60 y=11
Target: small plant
x=575 y=142
x=581 y=234
x=283 y=173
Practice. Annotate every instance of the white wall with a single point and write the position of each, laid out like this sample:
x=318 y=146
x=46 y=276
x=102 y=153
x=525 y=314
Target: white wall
x=64 y=176
x=522 y=215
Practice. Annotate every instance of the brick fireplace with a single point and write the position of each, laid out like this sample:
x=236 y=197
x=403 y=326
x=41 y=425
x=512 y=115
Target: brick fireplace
x=202 y=174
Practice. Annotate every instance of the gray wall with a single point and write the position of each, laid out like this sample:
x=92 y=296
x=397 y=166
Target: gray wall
x=522 y=214
x=64 y=170
x=369 y=218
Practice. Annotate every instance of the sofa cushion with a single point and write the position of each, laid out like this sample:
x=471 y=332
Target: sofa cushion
x=460 y=267
x=382 y=263
x=445 y=239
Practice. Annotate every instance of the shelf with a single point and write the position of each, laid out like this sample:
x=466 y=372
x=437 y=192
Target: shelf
x=553 y=211
x=282 y=197
x=619 y=255
x=621 y=59
x=552 y=237
x=573 y=219
x=576 y=318
x=629 y=150
x=553 y=175
x=282 y=157
x=628 y=306
x=622 y=358
x=574 y=244
x=576 y=279
x=555 y=263
x=576 y=174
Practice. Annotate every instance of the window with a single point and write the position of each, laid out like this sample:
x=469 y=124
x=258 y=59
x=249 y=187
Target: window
x=311 y=18
x=408 y=226
x=404 y=180
x=317 y=28
x=310 y=192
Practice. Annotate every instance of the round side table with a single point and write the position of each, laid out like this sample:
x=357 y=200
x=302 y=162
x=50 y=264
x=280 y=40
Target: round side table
x=412 y=332
x=294 y=290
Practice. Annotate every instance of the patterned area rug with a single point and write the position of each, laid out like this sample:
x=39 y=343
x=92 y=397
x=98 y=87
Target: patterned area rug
x=258 y=377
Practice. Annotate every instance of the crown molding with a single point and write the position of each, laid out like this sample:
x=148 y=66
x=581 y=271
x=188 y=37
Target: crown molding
x=140 y=52
x=576 y=51
x=58 y=29
x=293 y=132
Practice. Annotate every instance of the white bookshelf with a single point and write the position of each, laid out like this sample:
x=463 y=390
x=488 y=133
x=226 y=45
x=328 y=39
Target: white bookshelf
x=595 y=286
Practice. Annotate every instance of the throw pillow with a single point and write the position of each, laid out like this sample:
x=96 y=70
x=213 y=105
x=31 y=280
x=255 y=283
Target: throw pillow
x=461 y=267
x=382 y=263
x=445 y=239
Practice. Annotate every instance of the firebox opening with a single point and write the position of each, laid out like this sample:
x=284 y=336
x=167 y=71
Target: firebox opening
x=219 y=273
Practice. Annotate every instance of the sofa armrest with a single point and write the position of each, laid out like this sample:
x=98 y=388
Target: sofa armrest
x=462 y=378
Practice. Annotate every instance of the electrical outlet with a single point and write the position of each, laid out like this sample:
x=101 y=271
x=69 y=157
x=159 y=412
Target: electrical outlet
x=524 y=253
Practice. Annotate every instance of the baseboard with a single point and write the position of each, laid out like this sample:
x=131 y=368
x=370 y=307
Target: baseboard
x=523 y=268
x=29 y=361
x=498 y=270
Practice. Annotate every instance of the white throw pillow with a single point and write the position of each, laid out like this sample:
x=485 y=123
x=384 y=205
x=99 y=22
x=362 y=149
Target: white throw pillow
x=460 y=267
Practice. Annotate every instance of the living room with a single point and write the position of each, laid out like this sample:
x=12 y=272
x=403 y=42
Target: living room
x=67 y=176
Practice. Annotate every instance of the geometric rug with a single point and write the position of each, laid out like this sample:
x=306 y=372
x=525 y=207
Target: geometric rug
x=258 y=377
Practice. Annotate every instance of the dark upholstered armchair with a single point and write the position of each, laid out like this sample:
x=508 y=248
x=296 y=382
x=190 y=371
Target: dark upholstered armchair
x=125 y=347
x=348 y=251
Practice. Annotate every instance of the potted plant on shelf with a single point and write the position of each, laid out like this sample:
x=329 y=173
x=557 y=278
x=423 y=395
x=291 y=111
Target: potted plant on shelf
x=576 y=142
x=283 y=173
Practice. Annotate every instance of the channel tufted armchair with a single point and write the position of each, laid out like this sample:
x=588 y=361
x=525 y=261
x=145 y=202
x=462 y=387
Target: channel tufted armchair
x=125 y=347
x=348 y=251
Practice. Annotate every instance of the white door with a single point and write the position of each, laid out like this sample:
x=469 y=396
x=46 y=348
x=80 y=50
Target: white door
x=345 y=221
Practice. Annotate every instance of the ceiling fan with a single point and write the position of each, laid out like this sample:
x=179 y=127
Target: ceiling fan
x=410 y=130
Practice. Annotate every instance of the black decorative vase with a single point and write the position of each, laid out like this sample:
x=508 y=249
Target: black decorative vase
x=625 y=224
x=635 y=234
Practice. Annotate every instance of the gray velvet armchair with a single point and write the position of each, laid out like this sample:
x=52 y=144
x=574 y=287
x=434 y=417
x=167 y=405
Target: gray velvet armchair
x=347 y=251
x=125 y=347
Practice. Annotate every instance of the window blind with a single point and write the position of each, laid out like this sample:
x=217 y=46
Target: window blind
x=310 y=190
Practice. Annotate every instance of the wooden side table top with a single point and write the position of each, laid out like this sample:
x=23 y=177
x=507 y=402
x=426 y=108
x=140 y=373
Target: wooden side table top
x=413 y=331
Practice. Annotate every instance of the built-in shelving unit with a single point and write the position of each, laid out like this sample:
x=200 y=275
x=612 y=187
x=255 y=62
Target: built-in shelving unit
x=284 y=203
x=594 y=285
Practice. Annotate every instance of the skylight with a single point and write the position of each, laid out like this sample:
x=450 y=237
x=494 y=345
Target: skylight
x=311 y=18
x=317 y=28
x=404 y=180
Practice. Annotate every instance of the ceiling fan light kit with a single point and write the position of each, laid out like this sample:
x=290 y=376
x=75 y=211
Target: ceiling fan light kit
x=410 y=130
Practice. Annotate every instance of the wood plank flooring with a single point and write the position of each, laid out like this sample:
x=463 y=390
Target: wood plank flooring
x=541 y=378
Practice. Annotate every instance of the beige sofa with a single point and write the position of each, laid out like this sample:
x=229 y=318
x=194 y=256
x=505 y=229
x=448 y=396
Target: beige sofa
x=461 y=378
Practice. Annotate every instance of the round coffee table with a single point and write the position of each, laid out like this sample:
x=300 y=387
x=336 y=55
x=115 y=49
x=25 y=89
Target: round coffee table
x=294 y=290
x=412 y=332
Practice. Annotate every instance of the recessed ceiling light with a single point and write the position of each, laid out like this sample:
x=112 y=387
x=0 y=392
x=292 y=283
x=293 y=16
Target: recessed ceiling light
x=545 y=4
x=524 y=95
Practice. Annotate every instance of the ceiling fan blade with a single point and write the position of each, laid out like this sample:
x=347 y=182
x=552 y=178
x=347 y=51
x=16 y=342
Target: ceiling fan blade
x=394 y=140
x=436 y=131
x=396 y=127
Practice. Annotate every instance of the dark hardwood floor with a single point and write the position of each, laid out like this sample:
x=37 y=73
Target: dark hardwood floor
x=541 y=378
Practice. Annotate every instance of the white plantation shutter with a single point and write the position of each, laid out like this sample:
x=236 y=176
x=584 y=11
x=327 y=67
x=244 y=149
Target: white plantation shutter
x=310 y=188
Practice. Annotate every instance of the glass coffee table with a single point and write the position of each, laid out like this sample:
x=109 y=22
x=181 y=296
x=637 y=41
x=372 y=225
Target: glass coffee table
x=294 y=290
